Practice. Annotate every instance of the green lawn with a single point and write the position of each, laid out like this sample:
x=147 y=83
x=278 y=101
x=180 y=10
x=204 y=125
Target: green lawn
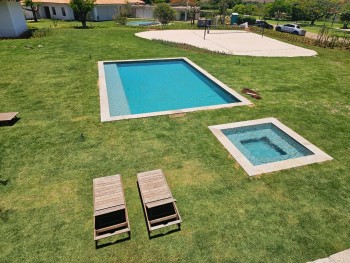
x=46 y=209
x=311 y=28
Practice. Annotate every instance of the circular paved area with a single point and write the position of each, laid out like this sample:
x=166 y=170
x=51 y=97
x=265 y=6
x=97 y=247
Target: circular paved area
x=231 y=42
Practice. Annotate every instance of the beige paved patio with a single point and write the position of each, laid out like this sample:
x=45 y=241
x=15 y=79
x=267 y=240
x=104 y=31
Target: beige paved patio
x=233 y=42
x=341 y=257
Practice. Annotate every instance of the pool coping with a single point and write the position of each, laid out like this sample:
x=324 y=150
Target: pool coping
x=317 y=157
x=104 y=106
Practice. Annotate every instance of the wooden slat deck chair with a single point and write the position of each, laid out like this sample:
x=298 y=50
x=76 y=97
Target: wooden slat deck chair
x=110 y=213
x=158 y=203
x=8 y=116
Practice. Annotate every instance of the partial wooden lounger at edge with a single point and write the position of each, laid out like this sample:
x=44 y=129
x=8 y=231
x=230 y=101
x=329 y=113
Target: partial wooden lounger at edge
x=156 y=195
x=8 y=116
x=110 y=212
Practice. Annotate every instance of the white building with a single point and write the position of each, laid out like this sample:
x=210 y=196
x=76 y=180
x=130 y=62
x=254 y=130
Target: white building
x=60 y=9
x=12 y=22
x=146 y=11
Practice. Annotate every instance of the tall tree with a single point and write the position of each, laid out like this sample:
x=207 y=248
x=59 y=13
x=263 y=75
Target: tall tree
x=81 y=8
x=164 y=13
x=277 y=8
x=33 y=7
x=345 y=15
x=296 y=12
x=316 y=9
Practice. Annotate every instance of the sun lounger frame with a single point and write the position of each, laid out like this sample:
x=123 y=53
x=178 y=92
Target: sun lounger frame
x=154 y=191
x=108 y=194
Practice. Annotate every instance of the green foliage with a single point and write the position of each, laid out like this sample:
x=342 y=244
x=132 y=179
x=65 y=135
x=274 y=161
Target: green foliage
x=345 y=15
x=125 y=11
x=316 y=9
x=164 y=13
x=277 y=8
x=81 y=8
x=250 y=19
x=121 y=20
x=245 y=9
x=42 y=32
x=33 y=7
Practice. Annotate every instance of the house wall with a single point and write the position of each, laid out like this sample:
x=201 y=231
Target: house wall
x=180 y=15
x=12 y=22
x=147 y=13
x=144 y=12
x=104 y=12
x=59 y=13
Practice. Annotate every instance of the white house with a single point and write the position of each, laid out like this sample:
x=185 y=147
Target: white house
x=12 y=22
x=60 y=9
x=146 y=11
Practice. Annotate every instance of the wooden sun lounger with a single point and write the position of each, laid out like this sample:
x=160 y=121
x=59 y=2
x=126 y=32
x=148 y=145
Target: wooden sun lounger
x=8 y=116
x=110 y=213
x=158 y=203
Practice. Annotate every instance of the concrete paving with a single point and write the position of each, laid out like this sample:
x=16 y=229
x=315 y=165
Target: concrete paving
x=231 y=42
x=341 y=257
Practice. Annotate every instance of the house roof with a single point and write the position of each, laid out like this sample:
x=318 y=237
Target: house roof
x=98 y=2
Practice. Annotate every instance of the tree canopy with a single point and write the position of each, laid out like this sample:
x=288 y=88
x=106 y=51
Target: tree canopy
x=81 y=8
x=164 y=13
x=345 y=15
x=316 y=9
x=34 y=7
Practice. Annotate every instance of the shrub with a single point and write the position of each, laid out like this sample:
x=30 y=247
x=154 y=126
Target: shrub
x=164 y=13
x=41 y=32
x=242 y=19
x=121 y=20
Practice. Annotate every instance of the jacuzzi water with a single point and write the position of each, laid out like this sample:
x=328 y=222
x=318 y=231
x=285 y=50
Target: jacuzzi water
x=141 y=23
x=160 y=85
x=265 y=143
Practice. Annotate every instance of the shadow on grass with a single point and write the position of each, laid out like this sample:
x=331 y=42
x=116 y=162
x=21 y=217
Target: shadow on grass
x=99 y=246
x=164 y=234
x=4 y=181
x=4 y=215
x=9 y=123
x=149 y=213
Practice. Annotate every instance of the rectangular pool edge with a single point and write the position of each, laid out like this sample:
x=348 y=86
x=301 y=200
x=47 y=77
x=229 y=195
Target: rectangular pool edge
x=317 y=157
x=104 y=103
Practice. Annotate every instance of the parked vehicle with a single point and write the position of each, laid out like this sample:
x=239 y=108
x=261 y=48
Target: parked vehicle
x=291 y=28
x=263 y=24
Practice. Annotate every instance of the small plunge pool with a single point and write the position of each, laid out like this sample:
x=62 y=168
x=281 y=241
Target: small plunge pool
x=266 y=145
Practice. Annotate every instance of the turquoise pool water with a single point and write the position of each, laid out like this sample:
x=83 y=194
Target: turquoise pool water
x=265 y=143
x=141 y=23
x=153 y=86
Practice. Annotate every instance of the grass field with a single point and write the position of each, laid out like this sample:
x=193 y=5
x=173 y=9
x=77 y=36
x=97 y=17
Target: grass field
x=312 y=28
x=51 y=155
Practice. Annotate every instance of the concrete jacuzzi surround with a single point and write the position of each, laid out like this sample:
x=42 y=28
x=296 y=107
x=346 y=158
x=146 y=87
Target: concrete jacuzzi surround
x=105 y=113
x=318 y=155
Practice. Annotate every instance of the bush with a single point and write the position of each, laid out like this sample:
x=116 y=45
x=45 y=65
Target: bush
x=42 y=32
x=242 y=19
x=121 y=20
x=164 y=13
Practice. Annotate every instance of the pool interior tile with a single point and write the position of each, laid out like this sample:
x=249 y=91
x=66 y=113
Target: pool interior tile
x=252 y=170
x=104 y=103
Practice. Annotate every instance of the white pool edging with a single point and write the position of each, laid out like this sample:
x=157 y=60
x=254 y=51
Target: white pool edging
x=105 y=114
x=317 y=157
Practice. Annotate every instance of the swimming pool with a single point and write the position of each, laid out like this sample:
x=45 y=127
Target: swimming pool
x=144 y=88
x=266 y=145
x=142 y=23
